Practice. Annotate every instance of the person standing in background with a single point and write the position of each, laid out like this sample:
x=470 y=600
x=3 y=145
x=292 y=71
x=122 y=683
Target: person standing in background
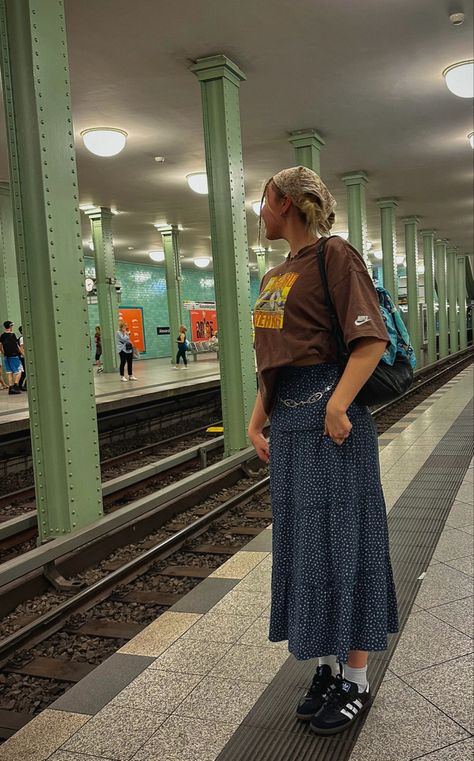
x=182 y=346
x=11 y=351
x=21 y=346
x=98 y=349
x=125 y=350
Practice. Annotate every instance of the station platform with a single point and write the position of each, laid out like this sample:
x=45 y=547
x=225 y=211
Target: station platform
x=203 y=683
x=156 y=378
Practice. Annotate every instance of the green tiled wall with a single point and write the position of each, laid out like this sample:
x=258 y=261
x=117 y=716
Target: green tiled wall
x=144 y=286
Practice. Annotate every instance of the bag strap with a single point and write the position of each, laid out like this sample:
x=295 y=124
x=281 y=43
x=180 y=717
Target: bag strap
x=342 y=351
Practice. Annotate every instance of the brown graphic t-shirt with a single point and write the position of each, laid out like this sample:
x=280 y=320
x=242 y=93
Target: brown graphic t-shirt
x=291 y=318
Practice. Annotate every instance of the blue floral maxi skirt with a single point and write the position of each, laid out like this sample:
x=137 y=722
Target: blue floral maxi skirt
x=332 y=583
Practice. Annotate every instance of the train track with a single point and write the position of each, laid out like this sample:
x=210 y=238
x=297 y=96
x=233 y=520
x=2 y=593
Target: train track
x=160 y=549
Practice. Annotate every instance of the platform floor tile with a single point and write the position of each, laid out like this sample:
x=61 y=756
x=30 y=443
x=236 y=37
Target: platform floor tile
x=191 y=656
x=238 y=566
x=116 y=732
x=184 y=739
x=458 y=614
x=417 y=647
x=42 y=736
x=160 y=634
x=450 y=687
x=402 y=725
x=459 y=751
x=224 y=699
x=154 y=690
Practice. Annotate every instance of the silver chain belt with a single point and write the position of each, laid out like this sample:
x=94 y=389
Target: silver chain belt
x=310 y=400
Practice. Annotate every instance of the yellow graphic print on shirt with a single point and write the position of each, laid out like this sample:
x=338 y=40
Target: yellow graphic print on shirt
x=270 y=306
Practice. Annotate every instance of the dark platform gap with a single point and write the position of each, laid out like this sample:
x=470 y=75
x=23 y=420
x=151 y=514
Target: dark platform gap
x=270 y=731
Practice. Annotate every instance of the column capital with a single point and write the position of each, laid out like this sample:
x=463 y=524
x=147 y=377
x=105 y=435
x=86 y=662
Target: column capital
x=412 y=220
x=167 y=229
x=452 y=250
x=217 y=67
x=100 y=212
x=305 y=137
x=355 y=178
x=387 y=203
x=444 y=241
x=428 y=232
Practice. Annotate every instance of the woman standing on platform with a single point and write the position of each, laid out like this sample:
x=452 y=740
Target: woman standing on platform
x=125 y=350
x=98 y=349
x=182 y=346
x=333 y=596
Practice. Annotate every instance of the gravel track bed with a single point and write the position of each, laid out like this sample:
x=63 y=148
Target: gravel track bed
x=29 y=694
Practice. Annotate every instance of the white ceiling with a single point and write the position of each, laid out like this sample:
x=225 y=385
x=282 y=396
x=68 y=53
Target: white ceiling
x=365 y=74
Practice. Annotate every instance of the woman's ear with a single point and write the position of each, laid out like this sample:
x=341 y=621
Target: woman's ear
x=285 y=205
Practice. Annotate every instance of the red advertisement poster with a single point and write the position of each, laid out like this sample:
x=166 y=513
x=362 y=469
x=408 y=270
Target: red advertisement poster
x=203 y=324
x=133 y=316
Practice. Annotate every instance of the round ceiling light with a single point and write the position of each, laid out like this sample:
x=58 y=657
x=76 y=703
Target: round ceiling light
x=460 y=79
x=256 y=206
x=201 y=261
x=400 y=261
x=157 y=256
x=377 y=254
x=197 y=181
x=104 y=141
x=470 y=137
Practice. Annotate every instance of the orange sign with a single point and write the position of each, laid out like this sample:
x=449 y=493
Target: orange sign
x=203 y=324
x=133 y=316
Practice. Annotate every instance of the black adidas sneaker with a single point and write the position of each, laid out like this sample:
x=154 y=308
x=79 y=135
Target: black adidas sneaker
x=323 y=681
x=342 y=706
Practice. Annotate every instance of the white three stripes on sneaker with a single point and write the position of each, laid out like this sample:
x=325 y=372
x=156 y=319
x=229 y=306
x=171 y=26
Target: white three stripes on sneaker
x=354 y=707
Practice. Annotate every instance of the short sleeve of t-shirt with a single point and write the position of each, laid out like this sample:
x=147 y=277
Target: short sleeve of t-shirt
x=353 y=294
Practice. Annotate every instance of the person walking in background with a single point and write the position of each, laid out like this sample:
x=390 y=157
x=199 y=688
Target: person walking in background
x=11 y=351
x=21 y=346
x=125 y=350
x=98 y=349
x=182 y=346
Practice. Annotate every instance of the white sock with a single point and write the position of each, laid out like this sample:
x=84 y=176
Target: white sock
x=329 y=660
x=357 y=676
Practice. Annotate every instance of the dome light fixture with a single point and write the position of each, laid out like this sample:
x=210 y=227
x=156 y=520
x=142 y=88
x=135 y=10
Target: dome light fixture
x=157 y=256
x=257 y=207
x=400 y=261
x=377 y=254
x=201 y=261
x=470 y=137
x=197 y=181
x=104 y=141
x=459 y=79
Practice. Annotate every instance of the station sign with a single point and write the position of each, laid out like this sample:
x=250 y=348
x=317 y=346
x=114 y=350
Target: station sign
x=163 y=330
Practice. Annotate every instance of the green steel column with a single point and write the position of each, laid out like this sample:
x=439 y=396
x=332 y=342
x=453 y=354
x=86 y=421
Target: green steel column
x=461 y=283
x=169 y=234
x=440 y=274
x=101 y=226
x=451 y=255
x=307 y=145
x=357 y=212
x=387 y=208
x=429 y=286
x=220 y=81
x=411 y=252
x=44 y=189
x=9 y=294
x=262 y=262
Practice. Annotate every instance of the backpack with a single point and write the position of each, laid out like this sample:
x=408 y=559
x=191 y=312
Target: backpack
x=394 y=372
x=397 y=332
